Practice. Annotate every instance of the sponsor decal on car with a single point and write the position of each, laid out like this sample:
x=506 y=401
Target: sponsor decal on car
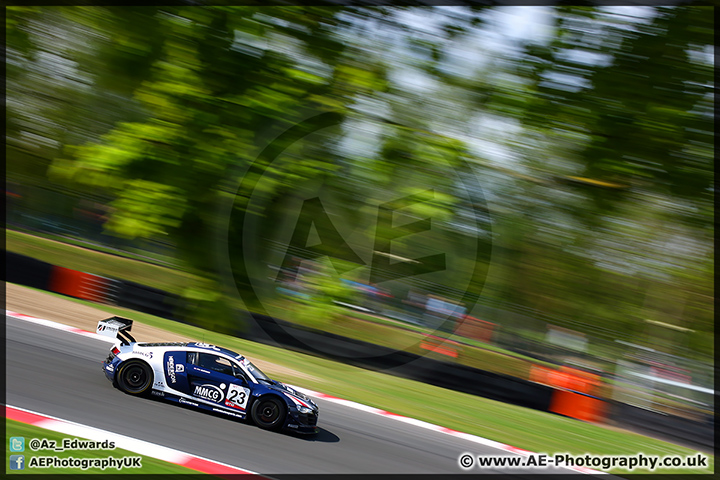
x=298 y=401
x=187 y=402
x=109 y=368
x=227 y=412
x=248 y=365
x=144 y=354
x=104 y=328
x=237 y=397
x=171 y=369
x=179 y=368
x=298 y=396
x=208 y=392
x=158 y=393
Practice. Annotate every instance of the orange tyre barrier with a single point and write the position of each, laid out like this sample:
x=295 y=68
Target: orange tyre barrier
x=539 y=374
x=435 y=344
x=65 y=281
x=78 y=284
x=574 y=394
x=578 y=405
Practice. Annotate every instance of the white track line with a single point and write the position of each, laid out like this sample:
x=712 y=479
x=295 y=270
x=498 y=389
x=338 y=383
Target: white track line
x=142 y=447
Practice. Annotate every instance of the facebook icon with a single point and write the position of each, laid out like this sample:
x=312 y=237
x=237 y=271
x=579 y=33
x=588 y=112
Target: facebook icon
x=17 y=462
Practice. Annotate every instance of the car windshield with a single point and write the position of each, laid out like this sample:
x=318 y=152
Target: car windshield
x=256 y=372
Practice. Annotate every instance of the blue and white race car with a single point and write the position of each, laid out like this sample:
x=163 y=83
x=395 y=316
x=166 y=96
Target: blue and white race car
x=206 y=377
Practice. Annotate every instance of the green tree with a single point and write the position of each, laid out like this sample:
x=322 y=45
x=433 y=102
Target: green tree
x=603 y=207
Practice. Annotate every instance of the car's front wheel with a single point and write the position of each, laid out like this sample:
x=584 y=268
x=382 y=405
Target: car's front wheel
x=269 y=413
x=135 y=377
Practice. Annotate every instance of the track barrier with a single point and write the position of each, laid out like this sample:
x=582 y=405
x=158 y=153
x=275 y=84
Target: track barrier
x=27 y=271
x=575 y=392
x=82 y=285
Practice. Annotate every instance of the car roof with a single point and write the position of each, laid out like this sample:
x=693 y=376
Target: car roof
x=214 y=348
x=198 y=345
x=161 y=344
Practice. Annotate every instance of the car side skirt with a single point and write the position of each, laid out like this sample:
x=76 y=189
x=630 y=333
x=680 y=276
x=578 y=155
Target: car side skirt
x=181 y=400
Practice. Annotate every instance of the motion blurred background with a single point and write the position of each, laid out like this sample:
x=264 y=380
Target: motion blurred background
x=560 y=157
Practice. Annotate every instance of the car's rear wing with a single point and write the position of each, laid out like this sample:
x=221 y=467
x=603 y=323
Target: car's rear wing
x=116 y=327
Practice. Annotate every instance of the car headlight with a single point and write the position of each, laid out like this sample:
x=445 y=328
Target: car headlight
x=302 y=409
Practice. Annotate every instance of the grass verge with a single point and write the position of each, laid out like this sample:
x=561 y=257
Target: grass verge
x=148 y=465
x=528 y=429
x=98 y=263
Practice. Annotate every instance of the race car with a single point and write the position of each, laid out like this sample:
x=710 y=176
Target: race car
x=206 y=377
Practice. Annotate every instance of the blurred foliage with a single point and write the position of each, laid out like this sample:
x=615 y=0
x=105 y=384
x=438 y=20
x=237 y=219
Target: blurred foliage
x=324 y=288
x=592 y=140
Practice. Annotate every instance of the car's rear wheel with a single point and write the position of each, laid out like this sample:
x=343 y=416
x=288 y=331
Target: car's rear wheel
x=135 y=377
x=269 y=413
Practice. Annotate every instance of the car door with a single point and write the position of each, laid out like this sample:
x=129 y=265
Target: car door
x=216 y=379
